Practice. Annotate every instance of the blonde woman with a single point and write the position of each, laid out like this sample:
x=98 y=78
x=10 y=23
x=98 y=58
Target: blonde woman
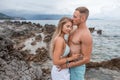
x=60 y=50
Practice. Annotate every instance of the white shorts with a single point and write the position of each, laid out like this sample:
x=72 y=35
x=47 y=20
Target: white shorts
x=64 y=74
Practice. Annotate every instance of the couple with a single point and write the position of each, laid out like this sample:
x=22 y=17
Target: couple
x=69 y=57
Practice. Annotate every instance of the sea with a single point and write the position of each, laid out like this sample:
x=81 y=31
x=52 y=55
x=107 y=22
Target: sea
x=105 y=46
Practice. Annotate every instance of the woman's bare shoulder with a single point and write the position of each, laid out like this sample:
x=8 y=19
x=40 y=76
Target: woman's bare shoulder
x=59 y=40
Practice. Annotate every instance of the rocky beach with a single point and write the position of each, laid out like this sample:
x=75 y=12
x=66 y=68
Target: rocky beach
x=24 y=54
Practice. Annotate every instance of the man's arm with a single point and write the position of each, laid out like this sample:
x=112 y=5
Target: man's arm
x=86 y=49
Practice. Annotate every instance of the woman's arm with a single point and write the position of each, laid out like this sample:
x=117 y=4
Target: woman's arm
x=58 y=52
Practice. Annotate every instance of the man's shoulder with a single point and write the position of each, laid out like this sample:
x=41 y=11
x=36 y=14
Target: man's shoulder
x=86 y=35
x=86 y=32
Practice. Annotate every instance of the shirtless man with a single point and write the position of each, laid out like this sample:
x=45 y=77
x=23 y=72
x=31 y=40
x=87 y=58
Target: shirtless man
x=80 y=42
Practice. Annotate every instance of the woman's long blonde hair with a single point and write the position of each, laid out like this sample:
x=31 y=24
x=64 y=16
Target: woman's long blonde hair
x=57 y=32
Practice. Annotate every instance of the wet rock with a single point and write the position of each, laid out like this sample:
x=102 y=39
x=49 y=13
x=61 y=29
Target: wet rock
x=18 y=33
x=41 y=30
x=39 y=26
x=3 y=53
x=49 y=29
x=33 y=43
x=29 y=57
x=24 y=22
x=46 y=69
x=16 y=54
x=6 y=44
x=38 y=71
x=7 y=22
x=47 y=38
x=38 y=38
x=92 y=29
x=102 y=74
x=17 y=22
x=7 y=32
x=32 y=34
x=19 y=46
x=41 y=55
x=13 y=66
x=113 y=64
x=99 y=32
x=46 y=72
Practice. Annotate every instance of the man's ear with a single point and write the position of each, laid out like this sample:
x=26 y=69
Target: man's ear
x=83 y=18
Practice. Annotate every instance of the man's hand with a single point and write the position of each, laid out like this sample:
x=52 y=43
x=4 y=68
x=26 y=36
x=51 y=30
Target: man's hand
x=75 y=56
x=78 y=57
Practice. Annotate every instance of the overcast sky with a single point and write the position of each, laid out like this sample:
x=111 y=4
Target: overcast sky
x=98 y=8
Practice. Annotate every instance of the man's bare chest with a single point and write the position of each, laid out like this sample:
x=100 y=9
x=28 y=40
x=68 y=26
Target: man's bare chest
x=75 y=38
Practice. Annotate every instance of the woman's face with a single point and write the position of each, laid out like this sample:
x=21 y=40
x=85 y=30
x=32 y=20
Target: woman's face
x=67 y=27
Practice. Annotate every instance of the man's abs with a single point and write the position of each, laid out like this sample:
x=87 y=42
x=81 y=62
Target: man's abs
x=75 y=49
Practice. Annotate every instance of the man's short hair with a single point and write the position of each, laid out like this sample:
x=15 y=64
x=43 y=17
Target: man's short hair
x=83 y=10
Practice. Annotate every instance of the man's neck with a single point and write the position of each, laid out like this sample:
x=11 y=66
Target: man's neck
x=82 y=26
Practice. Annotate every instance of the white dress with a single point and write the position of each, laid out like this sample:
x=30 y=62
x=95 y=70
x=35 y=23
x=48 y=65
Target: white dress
x=64 y=74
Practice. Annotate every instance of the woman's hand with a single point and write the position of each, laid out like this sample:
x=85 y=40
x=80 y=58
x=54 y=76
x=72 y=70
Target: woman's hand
x=61 y=67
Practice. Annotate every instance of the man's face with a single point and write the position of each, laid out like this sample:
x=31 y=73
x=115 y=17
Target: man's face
x=76 y=18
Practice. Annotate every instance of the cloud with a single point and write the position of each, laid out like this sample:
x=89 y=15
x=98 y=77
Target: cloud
x=98 y=8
